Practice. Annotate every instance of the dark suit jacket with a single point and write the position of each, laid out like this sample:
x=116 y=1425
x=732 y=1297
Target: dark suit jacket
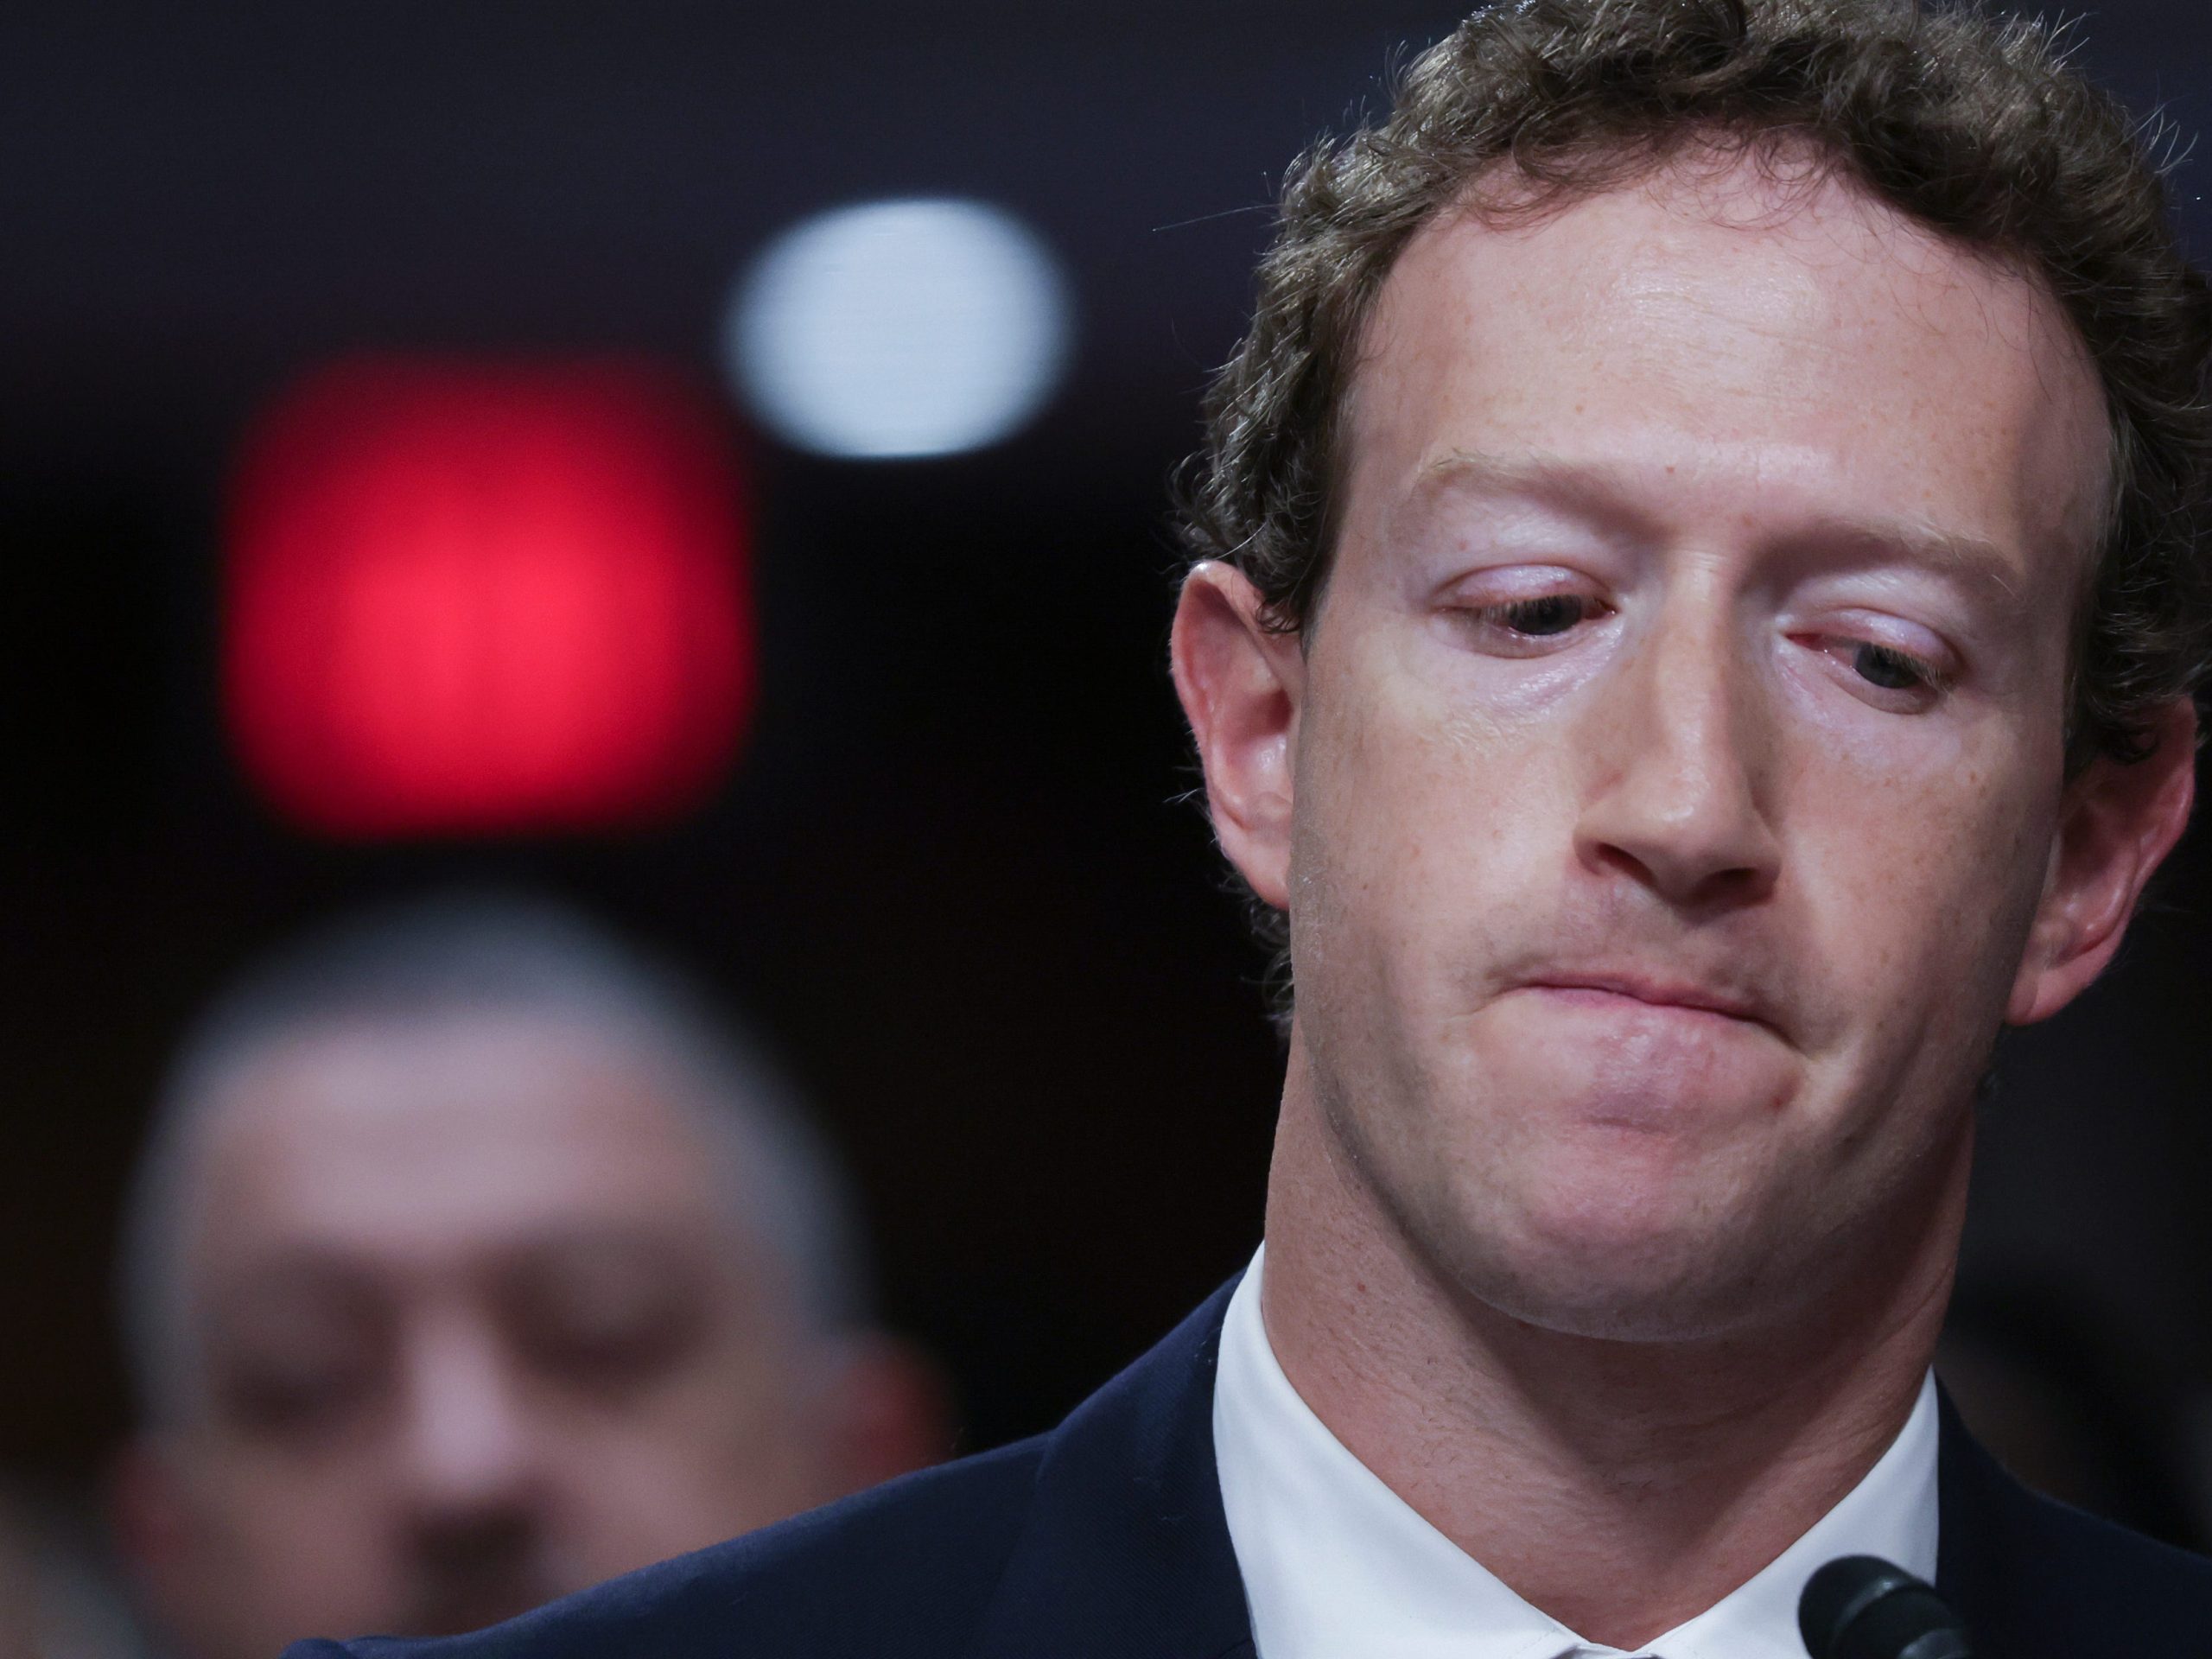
x=1105 y=1540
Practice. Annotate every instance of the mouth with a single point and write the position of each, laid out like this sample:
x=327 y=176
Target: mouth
x=1679 y=996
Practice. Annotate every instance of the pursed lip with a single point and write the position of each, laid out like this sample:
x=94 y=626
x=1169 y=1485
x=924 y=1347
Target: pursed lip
x=1655 y=990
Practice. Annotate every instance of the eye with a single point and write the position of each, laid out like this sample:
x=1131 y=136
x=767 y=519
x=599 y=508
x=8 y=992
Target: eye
x=607 y=1316
x=296 y=1392
x=298 y=1354
x=275 y=1401
x=1892 y=670
x=1885 y=676
x=610 y=1347
x=1540 y=619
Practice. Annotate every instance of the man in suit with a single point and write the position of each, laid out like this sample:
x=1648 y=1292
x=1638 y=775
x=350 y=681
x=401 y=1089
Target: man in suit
x=1694 y=628
x=472 y=1260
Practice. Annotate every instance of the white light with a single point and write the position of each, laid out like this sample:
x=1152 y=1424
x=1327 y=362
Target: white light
x=899 y=329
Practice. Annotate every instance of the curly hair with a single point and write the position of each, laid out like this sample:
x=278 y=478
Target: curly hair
x=1972 y=125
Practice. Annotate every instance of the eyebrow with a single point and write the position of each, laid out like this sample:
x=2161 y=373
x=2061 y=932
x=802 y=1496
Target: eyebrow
x=1601 y=496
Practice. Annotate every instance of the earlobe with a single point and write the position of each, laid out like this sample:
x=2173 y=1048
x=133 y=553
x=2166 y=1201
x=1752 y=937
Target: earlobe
x=1241 y=683
x=895 y=1412
x=152 y=1533
x=2118 y=824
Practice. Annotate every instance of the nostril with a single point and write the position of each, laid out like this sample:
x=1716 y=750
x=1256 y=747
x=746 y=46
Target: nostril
x=1618 y=860
x=1686 y=872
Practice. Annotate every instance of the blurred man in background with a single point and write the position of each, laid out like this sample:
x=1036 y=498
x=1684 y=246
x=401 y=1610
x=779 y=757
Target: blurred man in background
x=470 y=1262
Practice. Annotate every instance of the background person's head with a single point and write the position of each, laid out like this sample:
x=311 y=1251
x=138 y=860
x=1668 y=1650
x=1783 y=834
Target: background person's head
x=1698 y=626
x=471 y=1261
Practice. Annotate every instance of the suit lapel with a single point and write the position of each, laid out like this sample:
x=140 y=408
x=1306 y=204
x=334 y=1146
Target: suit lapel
x=1970 y=1514
x=1126 y=1550
x=2013 y=1583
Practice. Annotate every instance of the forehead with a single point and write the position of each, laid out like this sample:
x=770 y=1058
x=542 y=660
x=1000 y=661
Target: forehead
x=1718 y=322
x=422 y=1142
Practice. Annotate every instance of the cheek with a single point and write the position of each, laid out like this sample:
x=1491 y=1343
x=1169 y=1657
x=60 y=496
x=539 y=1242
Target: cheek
x=1937 y=885
x=644 y=1490
x=292 y=1561
x=1416 y=812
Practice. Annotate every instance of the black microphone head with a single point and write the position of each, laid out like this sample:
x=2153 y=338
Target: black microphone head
x=1863 y=1607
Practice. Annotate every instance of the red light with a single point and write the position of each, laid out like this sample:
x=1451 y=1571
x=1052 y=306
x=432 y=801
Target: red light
x=469 y=599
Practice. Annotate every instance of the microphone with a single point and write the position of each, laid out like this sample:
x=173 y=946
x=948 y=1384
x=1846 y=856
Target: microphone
x=1861 y=1607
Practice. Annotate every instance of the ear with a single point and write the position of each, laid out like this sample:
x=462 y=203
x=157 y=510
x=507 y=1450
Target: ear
x=151 y=1519
x=894 y=1414
x=1241 y=683
x=2117 y=824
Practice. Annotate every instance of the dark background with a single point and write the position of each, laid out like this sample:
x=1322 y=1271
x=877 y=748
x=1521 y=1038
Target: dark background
x=954 y=877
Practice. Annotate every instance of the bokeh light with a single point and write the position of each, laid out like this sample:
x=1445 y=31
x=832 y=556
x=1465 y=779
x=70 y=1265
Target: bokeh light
x=469 y=598
x=898 y=330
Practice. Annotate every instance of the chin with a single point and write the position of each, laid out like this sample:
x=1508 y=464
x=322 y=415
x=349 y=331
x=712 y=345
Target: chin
x=1623 y=1265
x=1633 y=1305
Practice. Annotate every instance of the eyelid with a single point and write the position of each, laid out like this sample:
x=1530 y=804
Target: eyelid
x=1891 y=632
x=1509 y=584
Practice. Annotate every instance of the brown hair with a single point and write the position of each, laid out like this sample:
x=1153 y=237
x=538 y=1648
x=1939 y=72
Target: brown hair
x=1975 y=127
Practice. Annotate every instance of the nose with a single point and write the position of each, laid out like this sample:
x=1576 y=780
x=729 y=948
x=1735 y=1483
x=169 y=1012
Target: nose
x=1678 y=760
x=469 y=1453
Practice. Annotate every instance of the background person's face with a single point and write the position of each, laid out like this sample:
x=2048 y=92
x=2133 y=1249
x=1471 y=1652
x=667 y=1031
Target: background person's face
x=1697 y=635
x=473 y=1331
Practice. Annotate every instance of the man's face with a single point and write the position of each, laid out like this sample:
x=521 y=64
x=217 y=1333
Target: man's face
x=473 y=1327
x=1676 y=754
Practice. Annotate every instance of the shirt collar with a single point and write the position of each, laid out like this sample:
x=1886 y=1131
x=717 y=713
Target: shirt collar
x=1337 y=1566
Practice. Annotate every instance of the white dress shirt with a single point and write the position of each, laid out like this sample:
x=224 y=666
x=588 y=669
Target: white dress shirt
x=1337 y=1566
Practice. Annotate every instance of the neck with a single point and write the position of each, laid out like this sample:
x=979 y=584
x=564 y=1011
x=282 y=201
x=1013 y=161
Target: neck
x=1621 y=1487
